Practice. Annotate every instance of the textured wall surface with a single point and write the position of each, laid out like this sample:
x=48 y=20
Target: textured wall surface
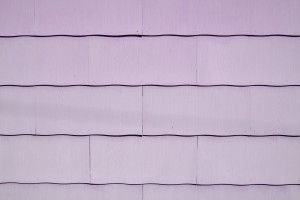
x=148 y=142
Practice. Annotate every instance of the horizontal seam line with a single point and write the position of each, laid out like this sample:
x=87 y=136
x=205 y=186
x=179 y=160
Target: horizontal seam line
x=145 y=135
x=148 y=85
x=155 y=35
x=162 y=184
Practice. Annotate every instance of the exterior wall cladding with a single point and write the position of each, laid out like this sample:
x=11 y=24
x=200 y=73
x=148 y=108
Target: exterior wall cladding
x=142 y=140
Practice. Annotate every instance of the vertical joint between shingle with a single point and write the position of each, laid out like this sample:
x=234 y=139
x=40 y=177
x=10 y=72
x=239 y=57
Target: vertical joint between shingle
x=90 y=177
x=142 y=110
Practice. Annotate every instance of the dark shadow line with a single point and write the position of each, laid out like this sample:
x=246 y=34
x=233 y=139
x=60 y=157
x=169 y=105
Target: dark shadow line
x=154 y=35
x=160 y=184
x=140 y=135
x=148 y=85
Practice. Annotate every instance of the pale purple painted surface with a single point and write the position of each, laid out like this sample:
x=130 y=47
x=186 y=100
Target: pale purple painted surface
x=221 y=111
x=221 y=17
x=81 y=110
x=143 y=160
x=243 y=160
x=70 y=17
x=151 y=110
x=220 y=193
x=149 y=17
x=44 y=61
x=44 y=159
x=17 y=114
x=121 y=110
x=165 y=60
x=74 y=192
x=142 y=60
x=243 y=61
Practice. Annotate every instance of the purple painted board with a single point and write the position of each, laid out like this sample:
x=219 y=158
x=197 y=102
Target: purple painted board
x=70 y=17
x=83 y=111
x=143 y=160
x=221 y=17
x=44 y=61
x=169 y=60
x=196 y=111
x=142 y=60
x=220 y=193
x=181 y=110
x=242 y=61
x=242 y=160
x=169 y=16
x=98 y=60
x=77 y=110
x=88 y=17
x=165 y=60
x=149 y=17
x=16 y=17
x=275 y=110
x=74 y=192
x=168 y=160
x=17 y=110
x=221 y=111
x=57 y=159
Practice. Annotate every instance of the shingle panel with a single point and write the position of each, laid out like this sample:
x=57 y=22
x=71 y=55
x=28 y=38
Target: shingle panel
x=220 y=17
x=242 y=61
x=44 y=159
x=196 y=111
x=58 y=60
x=83 y=110
x=16 y=17
x=167 y=60
x=74 y=192
x=17 y=110
x=143 y=160
x=244 y=160
x=88 y=17
x=275 y=110
x=221 y=193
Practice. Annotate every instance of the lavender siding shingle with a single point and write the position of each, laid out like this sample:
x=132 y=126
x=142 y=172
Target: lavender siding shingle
x=220 y=17
x=44 y=61
x=149 y=17
x=17 y=114
x=74 y=192
x=275 y=111
x=242 y=60
x=196 y=111
x=220 y=193
x=16 y=17
x=168 y=60
x=88 y=17
x=143 y=160
x=70 y=17
x=221 y=111
x=78 y=111
x=33 y=159
x=242 y=160
x=83 y=111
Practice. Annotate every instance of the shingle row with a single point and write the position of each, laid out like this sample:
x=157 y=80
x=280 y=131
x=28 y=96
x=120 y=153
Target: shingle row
x=138 y=160
x=165 y=60
x=149 y=17
x=150 y=110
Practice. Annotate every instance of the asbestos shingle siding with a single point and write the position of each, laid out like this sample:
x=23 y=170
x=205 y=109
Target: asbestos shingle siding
x=52 y=144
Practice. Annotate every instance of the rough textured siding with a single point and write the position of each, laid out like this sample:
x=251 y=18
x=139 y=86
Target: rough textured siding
x=168 y=142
